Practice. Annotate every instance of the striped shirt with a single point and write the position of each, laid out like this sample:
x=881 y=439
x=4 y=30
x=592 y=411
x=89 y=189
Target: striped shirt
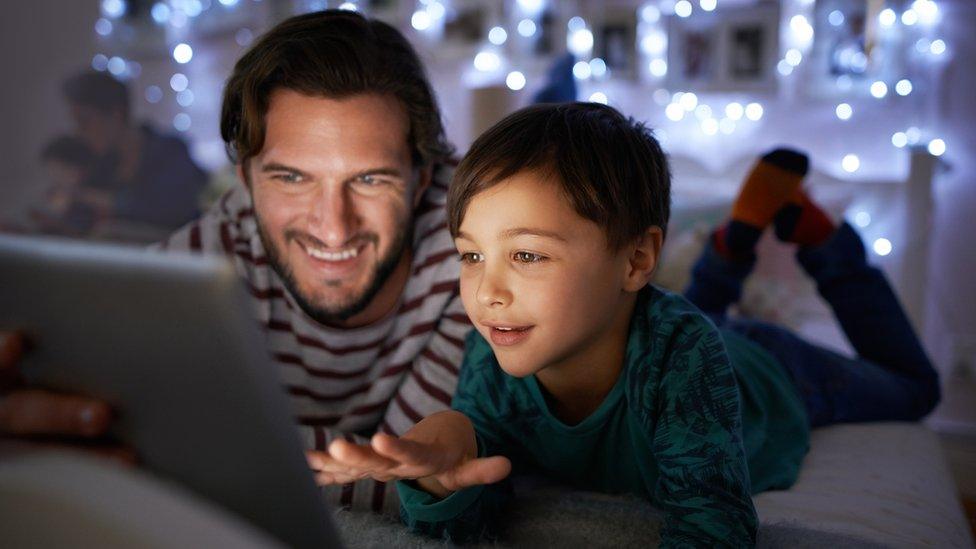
x=350 y=382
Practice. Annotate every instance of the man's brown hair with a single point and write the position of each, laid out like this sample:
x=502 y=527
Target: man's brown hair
x=609 y=167
x=334 y=54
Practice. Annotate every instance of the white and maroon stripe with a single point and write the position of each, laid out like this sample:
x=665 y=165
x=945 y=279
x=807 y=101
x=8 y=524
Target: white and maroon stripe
x=381 y=377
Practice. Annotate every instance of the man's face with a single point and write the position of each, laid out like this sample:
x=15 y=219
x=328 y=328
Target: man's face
x=101 y=131
x=537 y=279
x=334 y=189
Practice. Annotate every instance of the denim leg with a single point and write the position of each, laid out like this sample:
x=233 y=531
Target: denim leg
x=716 y=282
x=892 y=378
x=869 y=312
x=839 y=389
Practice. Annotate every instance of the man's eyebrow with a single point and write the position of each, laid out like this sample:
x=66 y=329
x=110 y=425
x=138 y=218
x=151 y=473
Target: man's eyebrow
x=278 y=167
x=392 y=172
x=383 y=170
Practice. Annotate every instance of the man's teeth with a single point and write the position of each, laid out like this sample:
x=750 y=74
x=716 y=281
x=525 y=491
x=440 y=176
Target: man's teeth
x=332 y=256
x=504 y=329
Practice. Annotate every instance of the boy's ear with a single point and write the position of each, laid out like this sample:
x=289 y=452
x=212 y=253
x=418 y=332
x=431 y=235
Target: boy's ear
x=424 y=178
x=644 y=255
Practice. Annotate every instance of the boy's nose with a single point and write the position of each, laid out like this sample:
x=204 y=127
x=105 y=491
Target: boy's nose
x=492 y=291
x=333 y=217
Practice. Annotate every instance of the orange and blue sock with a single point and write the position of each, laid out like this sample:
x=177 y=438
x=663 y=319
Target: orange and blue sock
x=770 y=185
x=801 y=221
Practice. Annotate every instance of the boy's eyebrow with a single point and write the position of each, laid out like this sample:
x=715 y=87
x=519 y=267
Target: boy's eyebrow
x=528 y=231
x=520 y=231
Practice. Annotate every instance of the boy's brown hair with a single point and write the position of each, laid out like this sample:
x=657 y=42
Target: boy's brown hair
x=609 y=167
x=334 y=54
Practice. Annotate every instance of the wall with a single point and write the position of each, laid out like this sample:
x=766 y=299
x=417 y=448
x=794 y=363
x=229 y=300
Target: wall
x=42 y=41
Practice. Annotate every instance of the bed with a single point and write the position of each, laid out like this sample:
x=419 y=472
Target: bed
x=862 y=485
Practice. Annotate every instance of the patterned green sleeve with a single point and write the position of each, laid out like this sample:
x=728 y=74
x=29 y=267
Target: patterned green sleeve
x=471 y=514
x=695 y=424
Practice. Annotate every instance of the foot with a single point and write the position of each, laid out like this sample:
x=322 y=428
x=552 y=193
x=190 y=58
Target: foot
x=767 y=189
x=801 y=221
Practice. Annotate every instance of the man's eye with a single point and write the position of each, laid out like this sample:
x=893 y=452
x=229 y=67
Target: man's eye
x=528 y=257
x=289 y=178
x=471 y=258
x=368 y=180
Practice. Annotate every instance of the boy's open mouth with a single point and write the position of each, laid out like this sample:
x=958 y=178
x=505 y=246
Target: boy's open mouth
x=508 y=335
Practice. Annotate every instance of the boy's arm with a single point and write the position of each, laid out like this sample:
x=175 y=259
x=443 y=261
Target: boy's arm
x=469 y=514
x=703 y=483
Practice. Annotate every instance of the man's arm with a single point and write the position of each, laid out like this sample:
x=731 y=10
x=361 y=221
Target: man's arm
x=703 y=484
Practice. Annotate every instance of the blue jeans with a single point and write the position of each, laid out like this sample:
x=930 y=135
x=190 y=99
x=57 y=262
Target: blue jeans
x=891 y=379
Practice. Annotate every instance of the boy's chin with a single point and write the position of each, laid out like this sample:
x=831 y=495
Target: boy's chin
x=518 y=369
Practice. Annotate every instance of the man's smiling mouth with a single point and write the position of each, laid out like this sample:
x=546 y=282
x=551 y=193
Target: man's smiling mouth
x=325 y=255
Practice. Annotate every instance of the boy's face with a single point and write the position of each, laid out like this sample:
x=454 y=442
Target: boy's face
x=538 y=280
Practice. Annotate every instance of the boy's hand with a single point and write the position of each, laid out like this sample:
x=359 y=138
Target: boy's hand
x=440 y=452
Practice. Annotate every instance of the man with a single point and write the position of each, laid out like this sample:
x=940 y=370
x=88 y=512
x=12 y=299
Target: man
x=140 y=175
x=339 y=232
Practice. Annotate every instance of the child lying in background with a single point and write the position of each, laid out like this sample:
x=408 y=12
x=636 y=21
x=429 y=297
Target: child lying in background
x=581 y=371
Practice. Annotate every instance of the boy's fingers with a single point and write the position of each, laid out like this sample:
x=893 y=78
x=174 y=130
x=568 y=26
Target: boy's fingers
x=358 y=456
x=322 y=461
x=314 y=459
x=477 y=471
x=35 y=412
x=407 y=452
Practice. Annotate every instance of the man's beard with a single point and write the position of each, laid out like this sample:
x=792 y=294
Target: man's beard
x=342 y=311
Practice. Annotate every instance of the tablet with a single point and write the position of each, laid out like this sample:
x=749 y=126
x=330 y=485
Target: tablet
x=169 y=341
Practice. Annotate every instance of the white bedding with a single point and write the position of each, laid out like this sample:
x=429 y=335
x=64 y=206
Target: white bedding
x=862 y=485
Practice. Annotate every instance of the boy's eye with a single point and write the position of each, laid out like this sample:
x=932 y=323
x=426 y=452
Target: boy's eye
x=528 y=257
x=471 y=258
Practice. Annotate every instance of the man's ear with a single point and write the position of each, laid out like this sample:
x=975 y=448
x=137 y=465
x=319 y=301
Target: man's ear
x=424 y=178
x=241 y=169
x=643 y=257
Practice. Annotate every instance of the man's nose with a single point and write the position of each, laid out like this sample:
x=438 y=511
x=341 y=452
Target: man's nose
x=333 y=216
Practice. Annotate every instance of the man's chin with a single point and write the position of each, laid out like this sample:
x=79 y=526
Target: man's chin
x=338 y=305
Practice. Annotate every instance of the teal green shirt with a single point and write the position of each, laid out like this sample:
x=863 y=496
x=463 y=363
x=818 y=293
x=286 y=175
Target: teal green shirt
x=694 y=413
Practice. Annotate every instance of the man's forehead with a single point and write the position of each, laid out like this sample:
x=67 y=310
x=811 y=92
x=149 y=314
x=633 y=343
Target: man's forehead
x=359 y=112
x=359 y=130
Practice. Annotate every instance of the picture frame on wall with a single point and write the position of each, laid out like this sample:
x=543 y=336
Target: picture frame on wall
x=615 y=37
x=849 y=52
x=693 y=55
x=466 y=24
x=733 y=49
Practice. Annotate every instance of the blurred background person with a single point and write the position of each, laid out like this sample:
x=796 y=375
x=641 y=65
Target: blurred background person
x=66 y=209
x=138 y=175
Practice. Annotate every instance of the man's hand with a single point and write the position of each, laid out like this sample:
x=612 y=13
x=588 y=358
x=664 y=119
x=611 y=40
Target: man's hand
x=43 y=415
x=440 y=452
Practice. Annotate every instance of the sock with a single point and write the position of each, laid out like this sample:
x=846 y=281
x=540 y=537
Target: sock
x=801 y=221
x=770 y=184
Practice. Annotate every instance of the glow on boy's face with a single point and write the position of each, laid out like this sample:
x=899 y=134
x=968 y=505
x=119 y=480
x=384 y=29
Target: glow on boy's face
x=538 y=280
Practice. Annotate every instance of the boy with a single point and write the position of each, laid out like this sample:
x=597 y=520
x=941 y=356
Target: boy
x=581 y=371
